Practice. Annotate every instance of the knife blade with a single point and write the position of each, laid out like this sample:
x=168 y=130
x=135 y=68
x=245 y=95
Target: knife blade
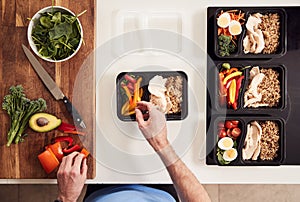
x=52 y=87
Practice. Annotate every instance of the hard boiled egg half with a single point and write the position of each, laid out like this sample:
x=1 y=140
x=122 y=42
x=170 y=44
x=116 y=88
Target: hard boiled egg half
x=235 y=27
x=224 y=20
x=230 y=154
x=225 y=143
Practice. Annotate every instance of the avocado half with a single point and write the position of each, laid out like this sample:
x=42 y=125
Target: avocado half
x=43 y=122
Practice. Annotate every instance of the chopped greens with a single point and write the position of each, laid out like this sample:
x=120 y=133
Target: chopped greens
x=56 y=35
x=226 y=46
x=20 y=109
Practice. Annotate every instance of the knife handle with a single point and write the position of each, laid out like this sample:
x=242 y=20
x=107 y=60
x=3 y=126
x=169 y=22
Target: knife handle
x=71 y=109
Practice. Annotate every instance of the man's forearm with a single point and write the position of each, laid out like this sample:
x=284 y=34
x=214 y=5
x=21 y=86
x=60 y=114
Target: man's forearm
x=186 y=184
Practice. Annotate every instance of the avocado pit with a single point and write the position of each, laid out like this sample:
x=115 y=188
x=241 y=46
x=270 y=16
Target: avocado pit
x=42 y=121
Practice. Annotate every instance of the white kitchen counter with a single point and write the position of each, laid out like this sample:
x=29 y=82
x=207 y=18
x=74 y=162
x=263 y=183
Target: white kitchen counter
x=129 y=158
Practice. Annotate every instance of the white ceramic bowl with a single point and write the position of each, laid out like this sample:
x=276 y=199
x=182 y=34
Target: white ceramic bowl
x=35 y=20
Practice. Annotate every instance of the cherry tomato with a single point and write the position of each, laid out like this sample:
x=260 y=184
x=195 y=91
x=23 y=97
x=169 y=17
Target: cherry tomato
x=229 y=124
x=228 y=132
x=235 y=126
x=221 y=124
x=235 y=122
x=236 y=132
x=222 y=133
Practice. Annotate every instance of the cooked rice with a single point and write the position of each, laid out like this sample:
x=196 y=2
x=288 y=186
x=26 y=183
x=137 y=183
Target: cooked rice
x=270 y=26
x=270 y=87
x=269 y=140
x=174 y=93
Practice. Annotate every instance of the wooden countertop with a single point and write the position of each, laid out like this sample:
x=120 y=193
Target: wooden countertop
x=75 y=77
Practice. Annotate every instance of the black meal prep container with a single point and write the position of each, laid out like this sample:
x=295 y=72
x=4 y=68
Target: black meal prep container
x=243 y=122
x=146 y=77
x=239 y=53
x=286 y=114
x=246 y=68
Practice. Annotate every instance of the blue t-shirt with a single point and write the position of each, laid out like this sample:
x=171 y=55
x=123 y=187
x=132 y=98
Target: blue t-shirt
x=130 y=193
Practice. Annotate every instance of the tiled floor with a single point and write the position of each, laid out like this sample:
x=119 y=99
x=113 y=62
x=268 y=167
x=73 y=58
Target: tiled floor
x=218 y=193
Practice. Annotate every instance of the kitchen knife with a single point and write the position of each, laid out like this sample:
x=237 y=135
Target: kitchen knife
x=52 y=87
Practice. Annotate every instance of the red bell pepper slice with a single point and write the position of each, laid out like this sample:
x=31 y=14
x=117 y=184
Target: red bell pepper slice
x=66 y=127
x=238 y=86
x=48 y=160
x=65 y=138
x=57 y=150
x=76 y=147
x=130 y=78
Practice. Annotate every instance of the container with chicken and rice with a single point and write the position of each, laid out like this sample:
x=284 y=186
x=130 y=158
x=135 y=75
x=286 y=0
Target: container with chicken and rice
x=166 y=90
x=250 y=33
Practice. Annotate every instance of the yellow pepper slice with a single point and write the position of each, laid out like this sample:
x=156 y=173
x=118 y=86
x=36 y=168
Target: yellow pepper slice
x=232 y=75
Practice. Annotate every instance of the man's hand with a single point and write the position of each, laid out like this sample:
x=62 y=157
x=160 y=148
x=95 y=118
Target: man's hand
x=71 y=177
x=154 y=129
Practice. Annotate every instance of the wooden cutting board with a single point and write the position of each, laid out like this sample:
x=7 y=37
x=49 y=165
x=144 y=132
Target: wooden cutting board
x=75 y=77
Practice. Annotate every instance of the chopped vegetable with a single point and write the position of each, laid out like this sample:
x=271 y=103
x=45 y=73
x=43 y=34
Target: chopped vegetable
x=74 y=148
x=226 y=47
x=231 y=75
x=226 y=65
x=229 y=27
x=69 y=128
x=57 y=35
x=54 y=153
x=232 y=91
x=48 y=160
x=20 y=109
x=65 y=138
x=85 y=152
x=133 y=97
x=230 y=81
x=57 y=150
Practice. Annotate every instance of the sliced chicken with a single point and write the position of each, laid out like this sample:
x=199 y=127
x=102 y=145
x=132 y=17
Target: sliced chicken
x=251 y=101
x=246 y=44
x=260 y=42
x=254 y=71
x=254 y=41
x=252 y=141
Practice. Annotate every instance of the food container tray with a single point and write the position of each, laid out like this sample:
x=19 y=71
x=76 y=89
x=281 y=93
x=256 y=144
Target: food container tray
x=240 y=142
x=239 y=53
x=146 y=77
x=281 y=69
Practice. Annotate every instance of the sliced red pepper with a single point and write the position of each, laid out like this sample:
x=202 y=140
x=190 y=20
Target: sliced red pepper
x=65 y=138
x=57 y=150
x=85 y=152
x=76 y=147
x=66 y=126
x=130 y=87
x=129 y=78
x=238 y=87
x=48 y=160
x=234 y=105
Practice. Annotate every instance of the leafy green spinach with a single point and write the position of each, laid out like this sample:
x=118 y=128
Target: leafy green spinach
x=56 y=35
